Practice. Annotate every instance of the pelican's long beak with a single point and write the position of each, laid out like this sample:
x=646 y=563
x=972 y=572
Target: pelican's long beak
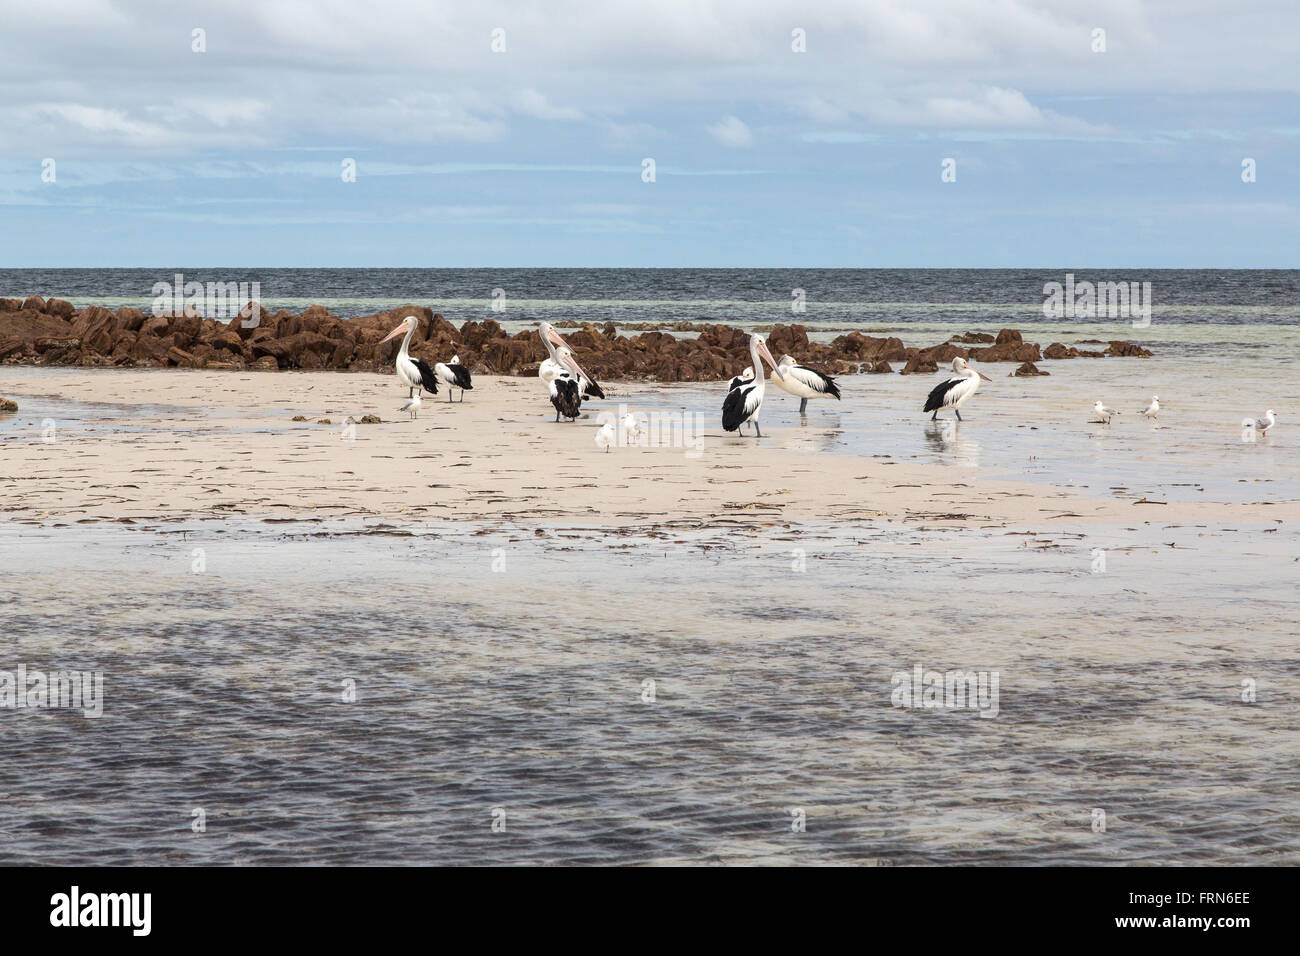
x=577 y=369
x=393 y=334
x=554 y=336
x=767 y=357
x=980 y=374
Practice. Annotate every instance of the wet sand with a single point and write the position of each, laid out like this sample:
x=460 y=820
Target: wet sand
x=163 y=446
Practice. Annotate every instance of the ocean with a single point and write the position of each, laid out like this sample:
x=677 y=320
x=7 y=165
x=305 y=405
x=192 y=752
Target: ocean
x=1193 y=311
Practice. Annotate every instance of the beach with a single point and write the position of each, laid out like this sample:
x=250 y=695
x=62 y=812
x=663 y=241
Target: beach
x=499 y=590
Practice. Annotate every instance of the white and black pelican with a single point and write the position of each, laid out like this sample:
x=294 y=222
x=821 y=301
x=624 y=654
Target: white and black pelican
x=1267 y=422
x=412 y=372
x=744 y=378
x=412 y=407
x=550 y=367
x=803 y=383
x=955 y=391
x=563 y=386
x=1106 y=414
x=1152 y=411
x=745 y=402
x=455 y=375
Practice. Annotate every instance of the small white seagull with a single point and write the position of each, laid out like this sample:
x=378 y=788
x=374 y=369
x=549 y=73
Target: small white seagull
x=1104 y=412
x=606 y=436
x=412 y=406
x=631 y=428
x=1267 y=422
x=1152 y=410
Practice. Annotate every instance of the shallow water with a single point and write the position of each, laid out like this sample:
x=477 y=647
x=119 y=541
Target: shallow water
x=505 y=670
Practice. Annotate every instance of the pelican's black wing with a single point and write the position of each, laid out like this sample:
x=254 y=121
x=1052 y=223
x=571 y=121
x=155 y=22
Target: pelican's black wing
x=426 y=375
x=935 y=401
x=566 y=399
x=461 y=374
x=737 y=408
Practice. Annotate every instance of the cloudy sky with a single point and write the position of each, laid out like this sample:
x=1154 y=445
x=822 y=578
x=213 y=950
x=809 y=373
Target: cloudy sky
x=532 y=153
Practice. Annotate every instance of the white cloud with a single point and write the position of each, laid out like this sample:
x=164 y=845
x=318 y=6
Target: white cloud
x=732 y=132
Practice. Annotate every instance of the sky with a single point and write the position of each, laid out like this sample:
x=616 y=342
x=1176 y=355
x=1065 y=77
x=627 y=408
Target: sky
x=834 y=133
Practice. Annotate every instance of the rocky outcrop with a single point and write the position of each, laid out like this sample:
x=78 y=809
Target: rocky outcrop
x=1028 y=370
x=53 y=332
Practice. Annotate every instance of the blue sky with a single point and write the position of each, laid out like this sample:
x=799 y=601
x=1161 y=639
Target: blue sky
x=532 y=155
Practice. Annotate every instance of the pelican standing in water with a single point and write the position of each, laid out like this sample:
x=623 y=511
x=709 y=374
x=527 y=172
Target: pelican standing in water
x=412 y=372
x=455 y=375
x=955 y=391
x=745 y=402
x=1152 y=411
x=1104 y=413
x=588 y=387
x=803 y=383
x=563 y=386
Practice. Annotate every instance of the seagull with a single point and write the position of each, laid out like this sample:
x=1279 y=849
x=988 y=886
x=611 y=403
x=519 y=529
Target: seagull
x=606 y=436
x=1104 y=412
x=744 y=403
x=455 y=375
x=1267 y=422
x=955 y=391
x=631 y=428
x=803 y=383
x=1153 y=410
x=412 y=406
x=412 y=372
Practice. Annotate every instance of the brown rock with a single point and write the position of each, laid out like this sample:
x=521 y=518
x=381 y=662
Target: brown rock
x=1126 y=349
x=60 y=307
x=1028 y=369
x=879 y=368
x=972 y=338
x=33 y=303
x=1058 y=351
x=266 y=363
x=1009 y=337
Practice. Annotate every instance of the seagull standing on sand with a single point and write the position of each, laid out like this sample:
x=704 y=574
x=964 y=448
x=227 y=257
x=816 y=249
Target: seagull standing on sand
x=955 y=391
x=803 y=383
x=606 y=436
x=745 y=402
x=1267 y=422
x=1105 y=413
x=1152 y=411
x=631 y=428
x=550 y=367
x=412 y=406
x=455 y=375
x=412 y=372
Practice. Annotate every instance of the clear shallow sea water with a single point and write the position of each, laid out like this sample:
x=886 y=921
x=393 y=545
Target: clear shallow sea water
x=522 y=689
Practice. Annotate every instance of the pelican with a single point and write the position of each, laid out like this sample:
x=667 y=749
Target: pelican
x=744 y=378
x=744 y=402
x=606 y=436
x=412 y=406
x=955 y=391
x=564 y=385
x=455 y=375
x=588 y=387
x=1267 y=422
x=1152 y=411
x=412 y=372
x=1104 y=413
x=803 y=383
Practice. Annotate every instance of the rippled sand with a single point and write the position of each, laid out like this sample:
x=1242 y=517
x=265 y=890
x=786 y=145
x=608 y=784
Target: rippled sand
x=500 y=650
